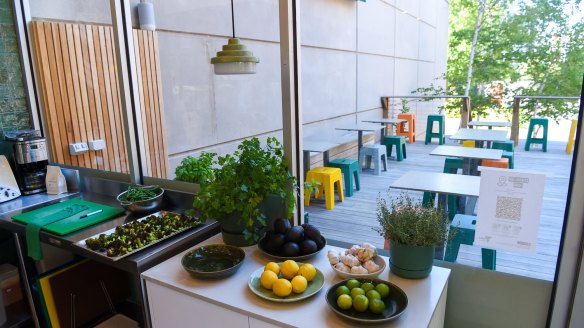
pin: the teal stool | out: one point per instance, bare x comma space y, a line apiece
532, 140
463, 228
508, 150
400, 146
429, 128
452, 165
306, 217
349, 167
429, 198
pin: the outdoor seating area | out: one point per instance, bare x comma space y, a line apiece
423, 174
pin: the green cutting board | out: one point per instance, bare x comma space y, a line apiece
74, 222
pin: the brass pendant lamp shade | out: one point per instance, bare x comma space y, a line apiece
234, 58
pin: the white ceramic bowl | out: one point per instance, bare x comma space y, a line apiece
371, 275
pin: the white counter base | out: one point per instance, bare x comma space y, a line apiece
177, 300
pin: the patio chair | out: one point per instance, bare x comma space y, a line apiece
349, 168
533, 122
328, 177
463, 228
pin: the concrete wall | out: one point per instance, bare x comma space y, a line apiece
352, 54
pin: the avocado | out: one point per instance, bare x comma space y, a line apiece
308, 246
281, 225
274, 242
295, 234
311, 232
290, 249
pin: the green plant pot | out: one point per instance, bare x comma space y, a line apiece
232, 225
412, 262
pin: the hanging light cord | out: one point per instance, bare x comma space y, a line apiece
233, 19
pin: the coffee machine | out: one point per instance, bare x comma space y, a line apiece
27, 151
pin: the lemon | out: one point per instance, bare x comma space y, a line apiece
272, 266
308, 271
282, 287
289, 269
267, 279
299, 284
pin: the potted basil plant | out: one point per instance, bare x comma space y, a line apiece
251, 188
413, 231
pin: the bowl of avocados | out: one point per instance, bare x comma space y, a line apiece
287, 242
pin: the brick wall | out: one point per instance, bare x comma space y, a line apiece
14, 112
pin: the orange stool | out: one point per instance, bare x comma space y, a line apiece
410, 133
328, 177
501, 163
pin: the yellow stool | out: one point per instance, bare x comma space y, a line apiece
468, 143
328, 177
571, 137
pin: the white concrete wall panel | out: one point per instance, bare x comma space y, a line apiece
429, 11
411, 6
374, 80
250, 104
427, 43
328, 83
407, 34
376, 28
405, 79
441, 60
257, 19
204, 17
328, 23
88, 11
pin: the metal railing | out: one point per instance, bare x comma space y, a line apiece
464, 115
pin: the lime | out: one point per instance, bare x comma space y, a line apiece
357, 291
343, 290
299, 284
376, 306
367, 286
383, 290
373, 294
352, 283
345, 302
360, 303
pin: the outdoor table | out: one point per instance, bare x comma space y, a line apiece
443, 184
392, 121
489, 124
471, 157
360, 128
480, 136
319, 147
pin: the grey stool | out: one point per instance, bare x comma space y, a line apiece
376, 153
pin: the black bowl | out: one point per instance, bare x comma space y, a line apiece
213, 261
262, 247
395, 304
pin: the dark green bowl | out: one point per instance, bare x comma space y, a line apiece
213, 261
395, 304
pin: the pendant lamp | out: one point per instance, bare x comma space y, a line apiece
234, 58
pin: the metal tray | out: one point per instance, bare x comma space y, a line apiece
83, 245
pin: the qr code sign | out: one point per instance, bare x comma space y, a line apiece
508, 208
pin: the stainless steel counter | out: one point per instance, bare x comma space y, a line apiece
104, 192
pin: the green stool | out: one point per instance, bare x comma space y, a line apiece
429, 198
508, 150
463, 227
452, 165
400, 146
349, 167
532, 140
429, 128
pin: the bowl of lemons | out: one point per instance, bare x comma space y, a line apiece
287, 281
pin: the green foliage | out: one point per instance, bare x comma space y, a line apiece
197, 170
410, 223
405, 108
243, 180
532, 47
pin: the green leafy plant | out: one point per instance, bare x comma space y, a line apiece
408, 222
405, 108
243, 180
196, 169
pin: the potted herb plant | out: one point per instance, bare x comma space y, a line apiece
251, 188
413, 231
196, 169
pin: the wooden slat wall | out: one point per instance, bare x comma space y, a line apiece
81, 102
152, 110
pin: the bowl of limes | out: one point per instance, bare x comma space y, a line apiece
367, 301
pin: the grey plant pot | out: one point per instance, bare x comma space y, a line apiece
412, 262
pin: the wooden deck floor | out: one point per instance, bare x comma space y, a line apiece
353, 220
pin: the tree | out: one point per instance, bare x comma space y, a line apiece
531, 47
